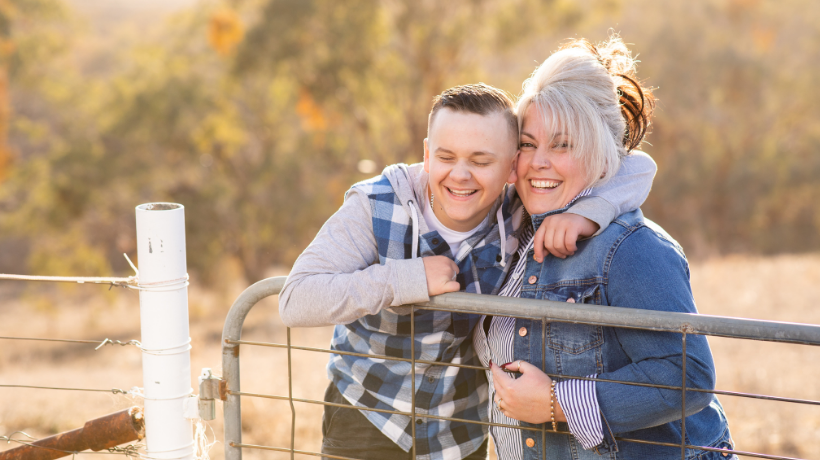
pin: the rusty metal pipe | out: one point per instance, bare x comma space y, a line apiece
98, 434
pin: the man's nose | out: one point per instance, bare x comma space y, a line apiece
460, 172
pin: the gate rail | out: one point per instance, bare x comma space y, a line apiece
543, 310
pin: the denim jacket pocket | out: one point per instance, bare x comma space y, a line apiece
573, 338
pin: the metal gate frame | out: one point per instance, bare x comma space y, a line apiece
543, 310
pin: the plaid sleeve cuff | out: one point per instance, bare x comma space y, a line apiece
580, 405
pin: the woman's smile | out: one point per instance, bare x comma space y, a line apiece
544, 184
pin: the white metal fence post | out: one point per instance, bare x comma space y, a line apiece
166, 357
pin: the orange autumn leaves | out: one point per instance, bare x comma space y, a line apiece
225, 31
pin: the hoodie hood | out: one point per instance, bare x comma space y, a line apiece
409, 182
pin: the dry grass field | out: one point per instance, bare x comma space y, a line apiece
782, 288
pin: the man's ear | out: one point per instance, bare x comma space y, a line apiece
514, 171
426, 157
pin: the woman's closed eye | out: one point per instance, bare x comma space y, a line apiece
528, 145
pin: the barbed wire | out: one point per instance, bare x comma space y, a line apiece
131, 450
36, 387
130, 282
113, 281
100, 343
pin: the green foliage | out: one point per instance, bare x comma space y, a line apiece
259, 138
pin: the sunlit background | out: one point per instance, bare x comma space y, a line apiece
257, 115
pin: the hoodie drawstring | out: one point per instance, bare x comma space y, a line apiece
502, 232
415, 221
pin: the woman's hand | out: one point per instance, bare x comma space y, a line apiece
526, 398
558, 234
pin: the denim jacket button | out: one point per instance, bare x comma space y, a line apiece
533, 279
530, 442
522, 332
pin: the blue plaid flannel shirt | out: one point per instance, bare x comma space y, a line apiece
440, 336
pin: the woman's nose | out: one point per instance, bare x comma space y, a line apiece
541, 160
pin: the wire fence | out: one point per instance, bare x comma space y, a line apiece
131, 450
543, 311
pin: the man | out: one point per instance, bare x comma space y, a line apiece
411, 233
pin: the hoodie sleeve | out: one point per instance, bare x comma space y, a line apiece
338, 278
623, 193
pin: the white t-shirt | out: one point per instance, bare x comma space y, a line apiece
452, 237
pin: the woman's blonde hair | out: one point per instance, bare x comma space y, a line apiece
591, 93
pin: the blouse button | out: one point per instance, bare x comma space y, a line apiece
533, 279
530, 442
522, 332
516, 275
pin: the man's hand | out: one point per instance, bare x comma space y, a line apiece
558, 234
441, 274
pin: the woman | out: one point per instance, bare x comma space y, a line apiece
581, 112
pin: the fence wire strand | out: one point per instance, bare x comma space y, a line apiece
100, 343
112, 390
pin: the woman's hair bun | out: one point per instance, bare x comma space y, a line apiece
637, 102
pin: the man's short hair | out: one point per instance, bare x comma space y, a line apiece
479, 98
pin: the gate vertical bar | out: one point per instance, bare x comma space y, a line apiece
290, 397
683, 401
544, 368
413, 378
165, 338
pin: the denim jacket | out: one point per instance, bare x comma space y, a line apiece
633, 263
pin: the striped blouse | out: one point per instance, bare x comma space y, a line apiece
577, 397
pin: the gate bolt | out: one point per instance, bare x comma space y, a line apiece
209, 391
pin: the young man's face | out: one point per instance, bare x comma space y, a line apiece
469, 158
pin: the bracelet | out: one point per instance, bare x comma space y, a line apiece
552, 406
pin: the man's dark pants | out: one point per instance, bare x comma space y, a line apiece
348, 433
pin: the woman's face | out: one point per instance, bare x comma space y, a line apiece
548, 174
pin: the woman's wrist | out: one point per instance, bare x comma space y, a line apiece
552, 406
557, 409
